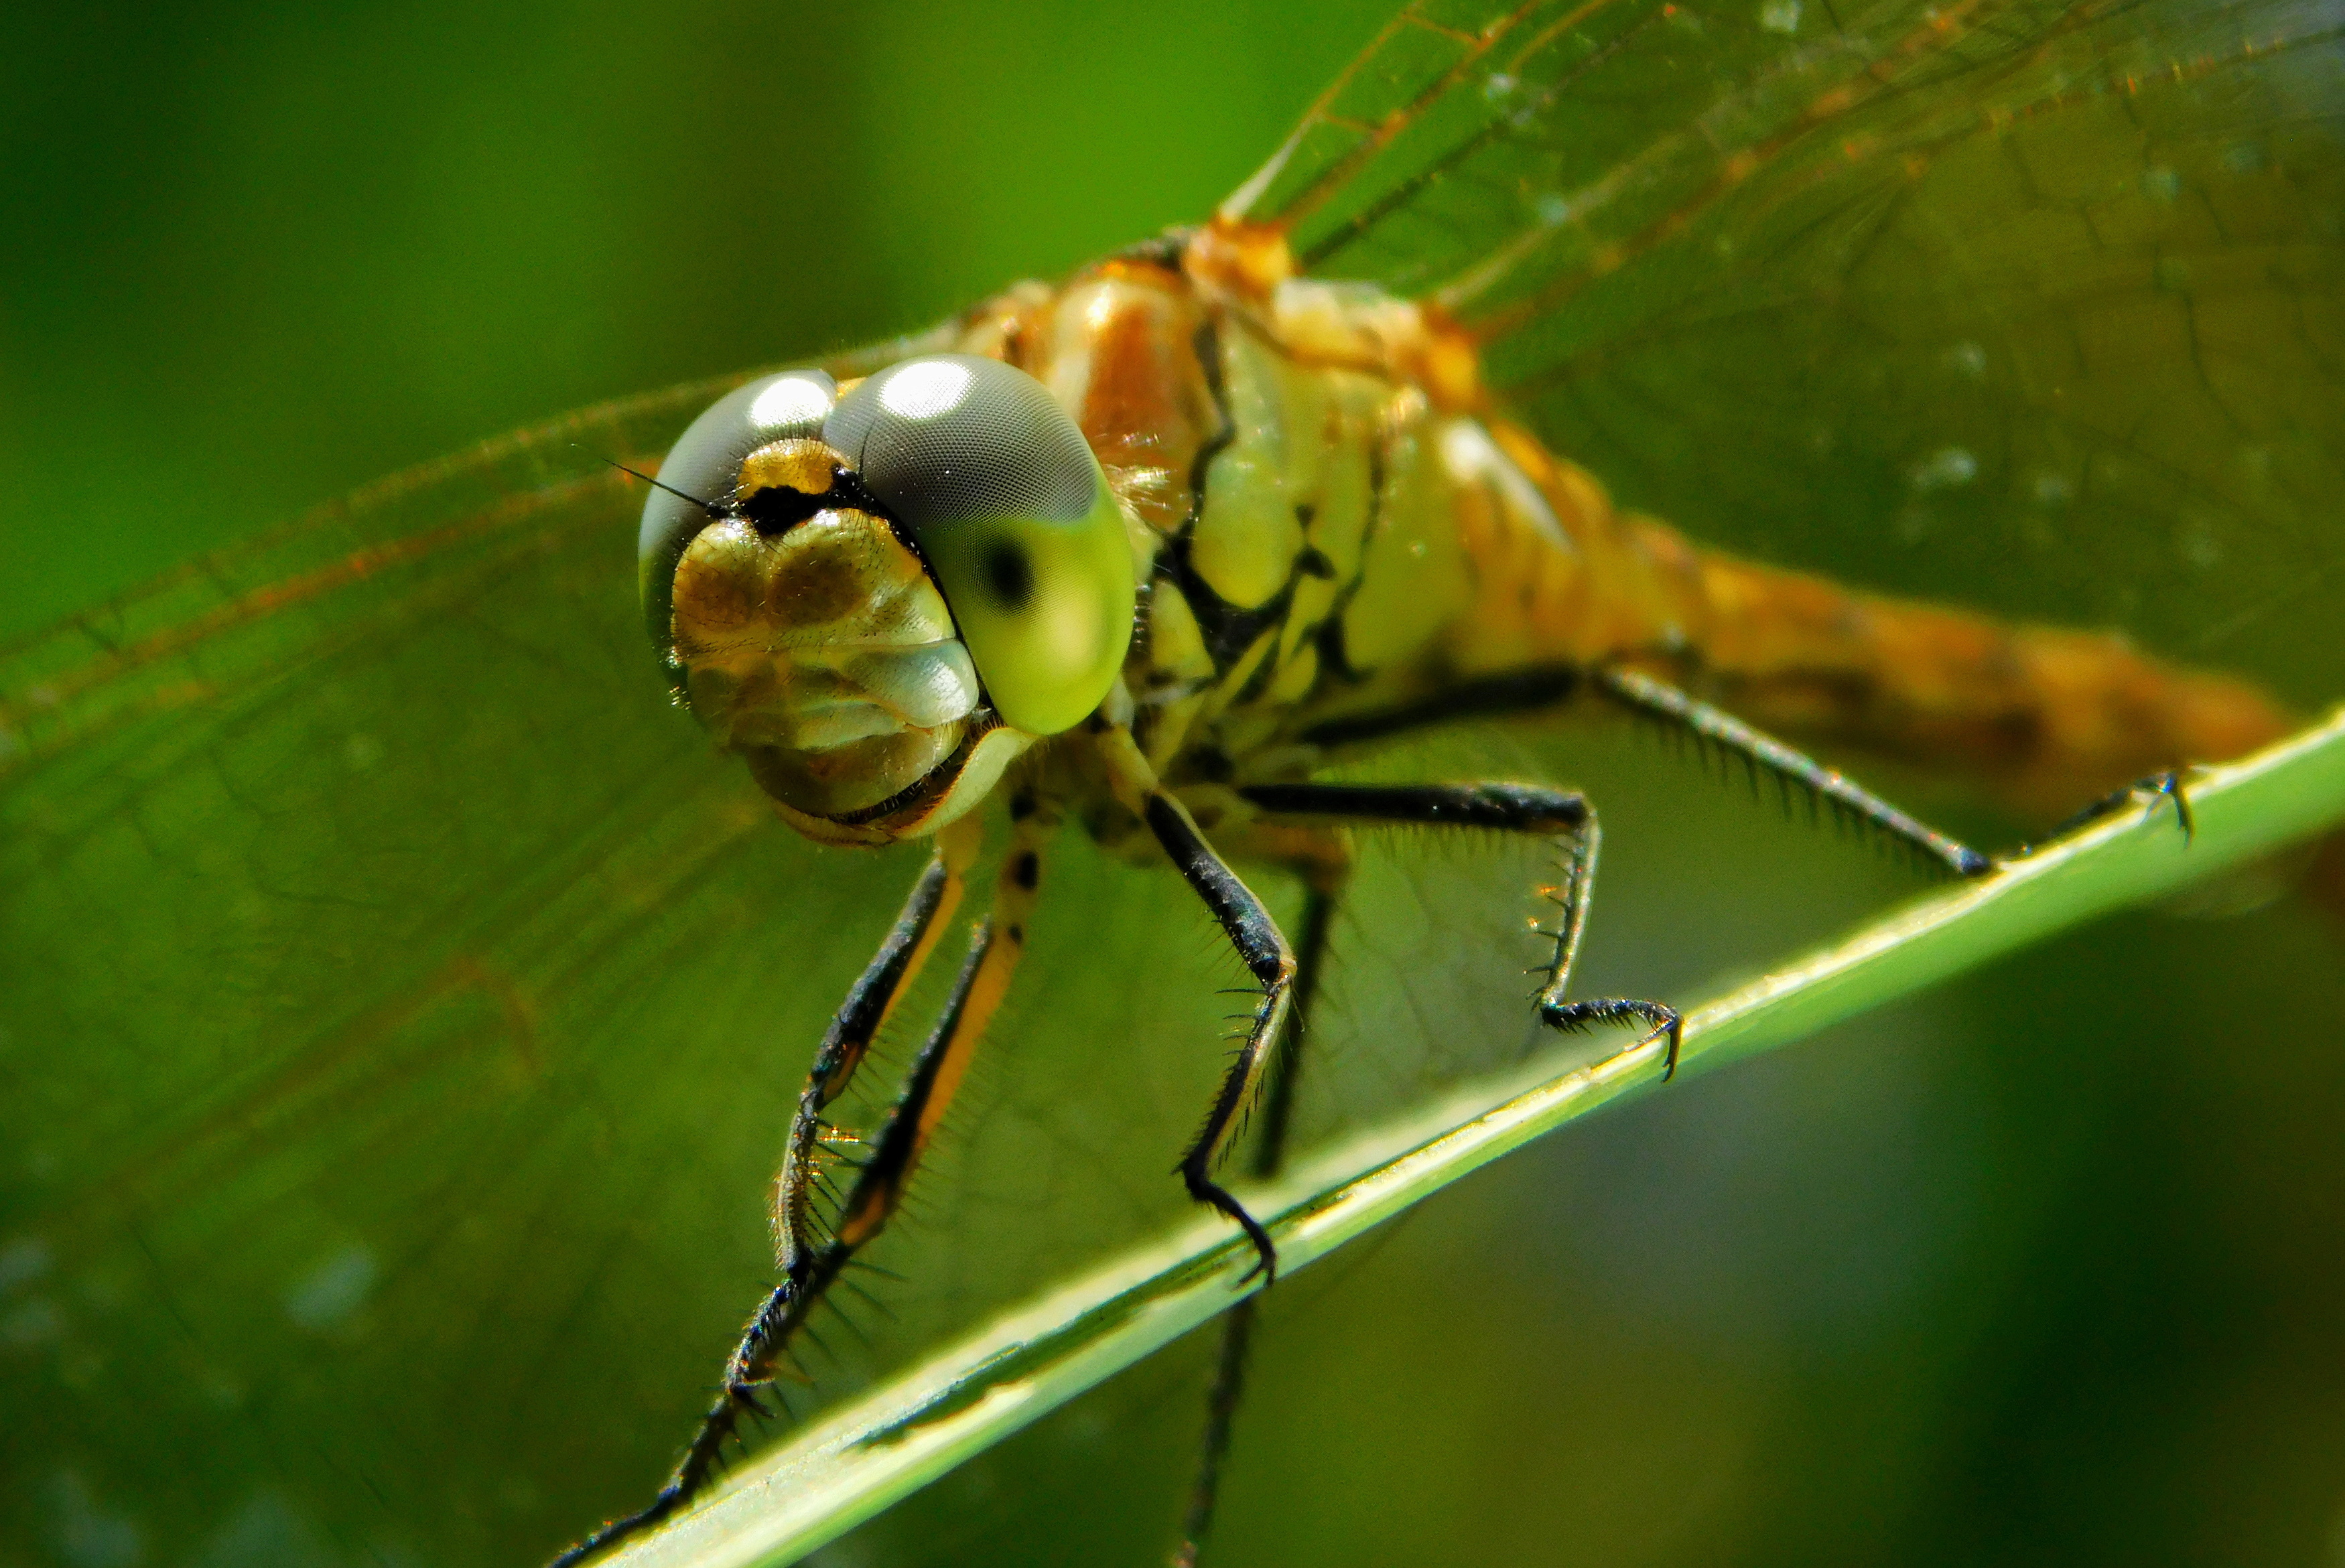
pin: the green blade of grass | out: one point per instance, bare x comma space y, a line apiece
857, 1460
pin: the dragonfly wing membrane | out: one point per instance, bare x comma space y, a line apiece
2026, 305
370, 931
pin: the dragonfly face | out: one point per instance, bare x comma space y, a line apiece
371, 1167
805, 616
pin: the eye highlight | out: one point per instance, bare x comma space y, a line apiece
705, 465
997, 487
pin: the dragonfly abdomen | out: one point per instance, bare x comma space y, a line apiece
2041, 718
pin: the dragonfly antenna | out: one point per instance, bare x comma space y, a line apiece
709, 507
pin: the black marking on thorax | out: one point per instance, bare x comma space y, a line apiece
1334, 659
1228, 630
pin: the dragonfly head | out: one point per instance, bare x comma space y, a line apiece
880, 596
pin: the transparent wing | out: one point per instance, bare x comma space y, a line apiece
376, 950
2038, 306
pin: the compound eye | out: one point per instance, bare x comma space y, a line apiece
998, 488
705, 464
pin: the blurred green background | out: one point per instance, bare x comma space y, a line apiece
2044, 1268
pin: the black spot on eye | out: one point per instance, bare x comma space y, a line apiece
1026, 870
1010, 575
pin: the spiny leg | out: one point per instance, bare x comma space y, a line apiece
1715, 726
1558, 814
810, 1264
938, 1071
1260, 947
1228, 1386
1764, 753
892, 970
1547, 687
1263, 950
930, 1086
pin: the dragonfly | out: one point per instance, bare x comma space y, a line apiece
1455, 164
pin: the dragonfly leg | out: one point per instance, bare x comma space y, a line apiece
1228, 1386
891, 973
1542, 688
1263, 950
811, 1260
2158, 787
1260, 947
995, 948
1761, 752
1562, 816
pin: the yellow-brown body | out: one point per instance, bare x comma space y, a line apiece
1342, 523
